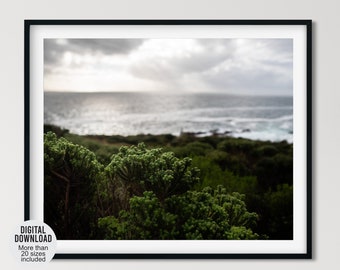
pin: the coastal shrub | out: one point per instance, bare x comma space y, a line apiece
265, 150
206, 214
71, 175
247, 185
284, 168
116, 139
210, 173
213, 214
275, 170
104, 153
114, 172
236, 145
146, 219
280, 201
212, 140
219, 157
137, 169
193, 149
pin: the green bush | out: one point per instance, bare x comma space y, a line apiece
101, 182
146, 219
138, 169
266, 150
211, 214
206, 214
71, 175
272, 171
236, 145
193, 149
280, 201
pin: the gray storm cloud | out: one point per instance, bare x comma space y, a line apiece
224, 65
245, 66
258, 81
54, 49
211, 53
265, 68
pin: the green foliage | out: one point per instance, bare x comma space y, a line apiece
71, 173
211, 213
218, 157
241, 233
102, 150
146, 219
266, 150
193, 149
114, 184
280, 201
208, 214
272, 171
139, 169
212, 175
236, 145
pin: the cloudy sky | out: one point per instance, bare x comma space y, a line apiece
238, 66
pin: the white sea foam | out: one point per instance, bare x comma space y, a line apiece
263, 118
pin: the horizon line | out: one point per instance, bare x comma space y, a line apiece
166, 93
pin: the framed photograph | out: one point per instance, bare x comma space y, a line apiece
170, 139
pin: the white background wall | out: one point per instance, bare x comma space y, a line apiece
326, 112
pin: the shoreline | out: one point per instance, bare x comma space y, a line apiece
195, 136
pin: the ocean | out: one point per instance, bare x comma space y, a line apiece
125, 113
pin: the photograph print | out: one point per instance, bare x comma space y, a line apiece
168, 138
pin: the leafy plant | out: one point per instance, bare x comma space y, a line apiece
206, 214
138, 169
112, 187
71, 175
146, 219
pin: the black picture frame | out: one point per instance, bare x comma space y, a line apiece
307, 24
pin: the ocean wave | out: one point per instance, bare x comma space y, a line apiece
86, 114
